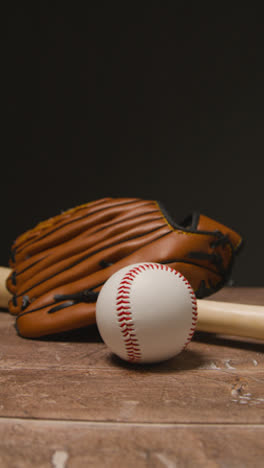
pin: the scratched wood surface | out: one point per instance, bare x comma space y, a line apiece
68, 402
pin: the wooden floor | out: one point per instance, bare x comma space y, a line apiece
67, 402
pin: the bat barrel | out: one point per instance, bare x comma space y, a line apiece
231, 319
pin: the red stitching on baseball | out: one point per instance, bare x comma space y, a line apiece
125, 318
122, 301
126, 282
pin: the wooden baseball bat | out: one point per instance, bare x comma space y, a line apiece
226, 318
5, 295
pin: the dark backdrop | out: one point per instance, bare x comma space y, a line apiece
158, 101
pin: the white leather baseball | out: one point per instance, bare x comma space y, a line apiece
146, 312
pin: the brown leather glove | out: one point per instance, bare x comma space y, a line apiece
60, 266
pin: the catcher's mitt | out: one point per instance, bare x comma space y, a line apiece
61, 264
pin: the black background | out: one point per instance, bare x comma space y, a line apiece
150, 100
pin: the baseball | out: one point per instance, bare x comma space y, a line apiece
146, 313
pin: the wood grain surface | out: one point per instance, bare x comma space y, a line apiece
66, 401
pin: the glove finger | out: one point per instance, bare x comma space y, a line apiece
41, 322
46, 225
83, 267
67, 226
86, 244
